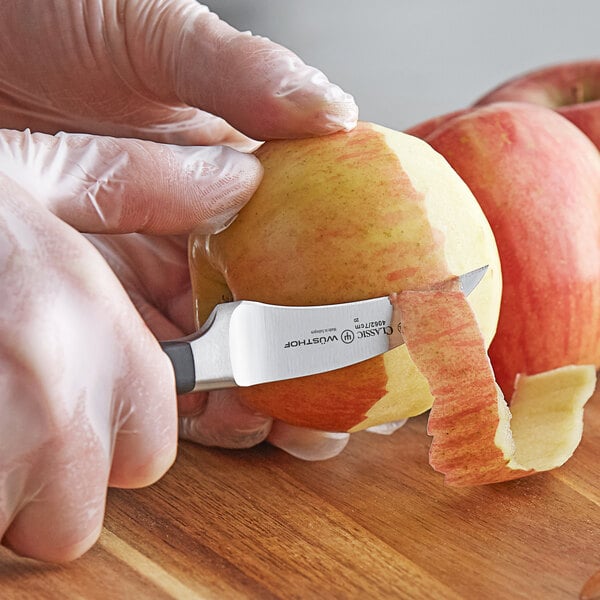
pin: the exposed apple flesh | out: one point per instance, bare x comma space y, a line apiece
572, 89
537, 178
340, 218
476, 439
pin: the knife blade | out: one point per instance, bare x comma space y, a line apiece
245, 343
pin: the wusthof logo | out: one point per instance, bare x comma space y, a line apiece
347, 337
324, 339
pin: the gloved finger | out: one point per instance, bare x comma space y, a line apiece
13, 493
156, 277
164, 327
52, 493
307, 444
154, 271
110, 185
187, 126
161, 323
225, 422
188, 405
81, 355
182, 51
17, 449
60, 518
144, 417
145, 421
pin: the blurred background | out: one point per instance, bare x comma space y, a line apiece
406, 61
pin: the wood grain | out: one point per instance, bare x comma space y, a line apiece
376, 522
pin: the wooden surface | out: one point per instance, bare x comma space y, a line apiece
375, 522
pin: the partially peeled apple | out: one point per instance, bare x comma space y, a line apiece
369, 213
347, 217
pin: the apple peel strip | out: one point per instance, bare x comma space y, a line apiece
477, 438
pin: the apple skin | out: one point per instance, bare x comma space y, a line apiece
476, 438
346, 217
537, 179
424, 128
572, 89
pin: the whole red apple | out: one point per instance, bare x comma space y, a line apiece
572, 89
537, 179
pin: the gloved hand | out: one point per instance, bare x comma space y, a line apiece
86, 395
165, 70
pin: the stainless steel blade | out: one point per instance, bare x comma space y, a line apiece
469, 281
270, 343
245, 343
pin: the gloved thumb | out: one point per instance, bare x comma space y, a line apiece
112, 185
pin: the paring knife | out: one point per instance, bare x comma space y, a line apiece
244, 343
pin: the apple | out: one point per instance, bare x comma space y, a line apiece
375, 212
572, 89
346, 217
424, 128
537, 179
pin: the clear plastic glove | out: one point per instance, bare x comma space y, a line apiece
88, 396
165, 70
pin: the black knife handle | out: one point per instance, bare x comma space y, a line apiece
182, 358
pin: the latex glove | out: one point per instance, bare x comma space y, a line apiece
68, 409
166, 70
87, 397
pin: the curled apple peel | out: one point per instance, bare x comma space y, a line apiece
477, 438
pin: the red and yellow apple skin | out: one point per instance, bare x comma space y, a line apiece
423, 129
477, 438
537, 178
572, 89
340, 218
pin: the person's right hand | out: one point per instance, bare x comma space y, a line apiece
87, 395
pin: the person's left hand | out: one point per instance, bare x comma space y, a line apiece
166, 71
162, 70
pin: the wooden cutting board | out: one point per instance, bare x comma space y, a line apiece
376, 522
